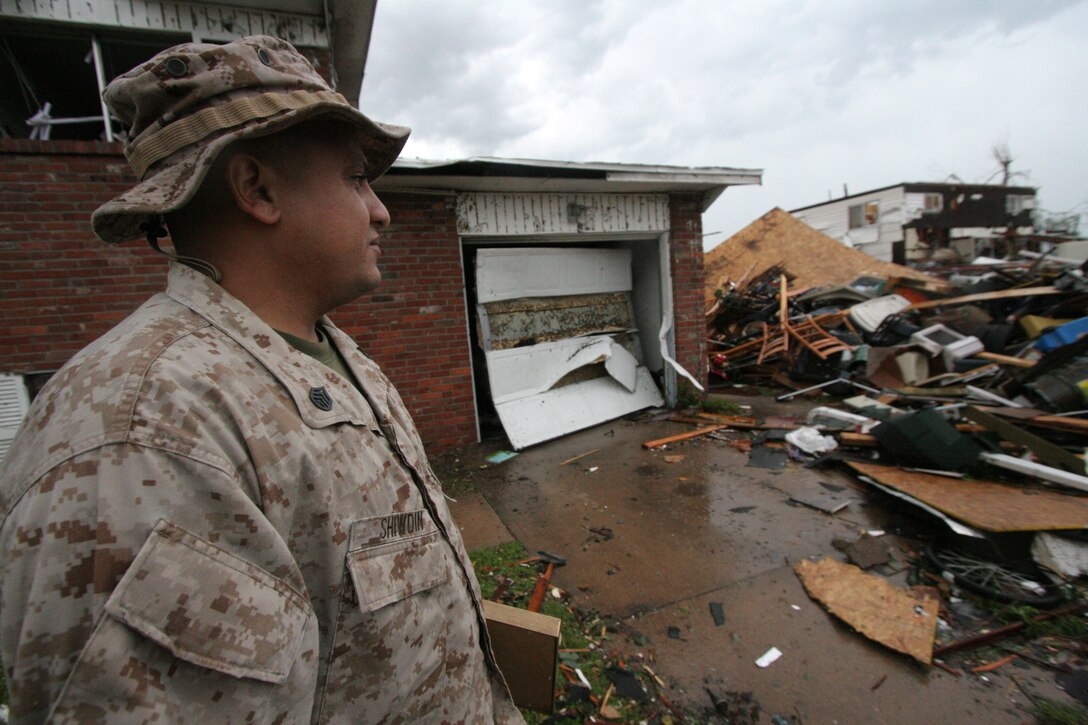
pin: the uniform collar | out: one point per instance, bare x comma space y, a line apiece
322, 397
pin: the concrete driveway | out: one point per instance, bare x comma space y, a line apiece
656, 540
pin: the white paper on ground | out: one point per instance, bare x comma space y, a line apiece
1060, 554
769, 657
810, 440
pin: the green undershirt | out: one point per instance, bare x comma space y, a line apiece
323, 351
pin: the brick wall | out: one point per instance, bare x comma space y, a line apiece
414, 325
60, 288
686, 261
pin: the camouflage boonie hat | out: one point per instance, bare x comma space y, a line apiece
189, 102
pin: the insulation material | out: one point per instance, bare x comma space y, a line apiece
547, 377
900, 619
985, 504
531, 320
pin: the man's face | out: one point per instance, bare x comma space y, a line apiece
335, 218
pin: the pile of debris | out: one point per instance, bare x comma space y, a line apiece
995, 332
969, 387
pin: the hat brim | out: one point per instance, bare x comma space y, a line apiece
119, 219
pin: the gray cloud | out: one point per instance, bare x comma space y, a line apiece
817, 93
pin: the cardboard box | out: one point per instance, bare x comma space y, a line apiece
526, 645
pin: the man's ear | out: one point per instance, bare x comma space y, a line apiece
253, 186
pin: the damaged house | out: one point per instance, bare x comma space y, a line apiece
909, 221
547, 296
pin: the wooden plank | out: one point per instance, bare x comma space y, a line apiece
986, 505
683, 436
986, 296
1029, 416
1044, 450
857, 440
572, 459
1005, 359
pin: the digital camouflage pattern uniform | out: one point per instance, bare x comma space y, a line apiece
203, 525
192, 537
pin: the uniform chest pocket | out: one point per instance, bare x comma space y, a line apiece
394, 557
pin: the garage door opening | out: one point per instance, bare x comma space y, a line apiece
564, 335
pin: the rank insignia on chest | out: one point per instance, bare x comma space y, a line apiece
321, 398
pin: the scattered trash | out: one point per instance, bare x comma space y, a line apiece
673, 458
717, 611
626, 684
1075, 683
905, 621
501, 456
866, 552
767, 457
580, 456
810, 440
769, 657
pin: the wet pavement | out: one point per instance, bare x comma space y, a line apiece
656, 542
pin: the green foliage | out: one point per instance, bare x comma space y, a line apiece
1049, 712
721, 407
457, 477
501, 565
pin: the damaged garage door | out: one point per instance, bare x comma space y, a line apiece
560, 345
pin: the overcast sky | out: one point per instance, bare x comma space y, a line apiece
816, 94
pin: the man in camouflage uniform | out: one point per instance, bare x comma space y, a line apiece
221, 511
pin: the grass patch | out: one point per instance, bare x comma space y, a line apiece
1049, 712
721, 407
456, 476
590, 642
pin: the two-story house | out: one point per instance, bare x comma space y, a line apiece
908, 221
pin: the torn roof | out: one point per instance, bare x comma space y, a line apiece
809, 257
487, 173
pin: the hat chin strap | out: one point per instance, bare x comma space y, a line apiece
155, 231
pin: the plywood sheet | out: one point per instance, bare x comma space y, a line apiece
505, 274
901, 619
810, 258
986, 505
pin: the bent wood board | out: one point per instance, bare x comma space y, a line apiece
986, 505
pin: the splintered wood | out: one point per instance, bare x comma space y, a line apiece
986, 504
903, 620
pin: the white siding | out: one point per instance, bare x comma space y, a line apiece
206, 21
833, 219
492, 214
14, 402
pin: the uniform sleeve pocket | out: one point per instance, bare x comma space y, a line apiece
394, 557
210, 607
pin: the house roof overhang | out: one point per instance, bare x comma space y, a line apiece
349, 24
493, 174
